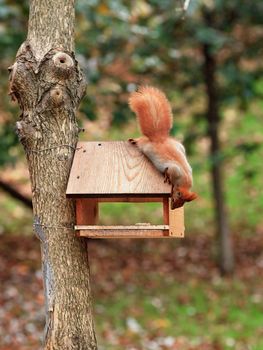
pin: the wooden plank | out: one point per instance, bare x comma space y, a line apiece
176, 222
118, 235
130, 199
140, 227
147, 231
86, 211
166, 211
102, 169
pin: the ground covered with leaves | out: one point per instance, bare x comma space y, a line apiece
148, 295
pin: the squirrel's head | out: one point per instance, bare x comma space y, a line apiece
180, 196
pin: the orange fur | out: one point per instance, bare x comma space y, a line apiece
166, 153
153, 111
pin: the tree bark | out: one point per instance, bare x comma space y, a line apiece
225, 249
48, 85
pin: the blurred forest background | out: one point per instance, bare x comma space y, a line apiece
204, 292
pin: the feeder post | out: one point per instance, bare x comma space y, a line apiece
87, 211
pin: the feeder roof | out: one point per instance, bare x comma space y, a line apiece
113, 169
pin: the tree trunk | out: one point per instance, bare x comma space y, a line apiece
48, 85
226, 259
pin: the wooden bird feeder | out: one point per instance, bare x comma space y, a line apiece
118, 172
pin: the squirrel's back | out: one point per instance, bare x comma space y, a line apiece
153, 111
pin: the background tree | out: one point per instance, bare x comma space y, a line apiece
48, 85
220, 51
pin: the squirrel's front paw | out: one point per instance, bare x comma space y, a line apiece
132, 141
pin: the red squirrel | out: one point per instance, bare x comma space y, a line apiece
167, 154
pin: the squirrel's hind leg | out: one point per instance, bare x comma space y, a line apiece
166, 176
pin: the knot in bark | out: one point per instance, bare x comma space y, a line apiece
64, 64
56, 96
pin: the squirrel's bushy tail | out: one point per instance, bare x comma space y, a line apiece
153, 111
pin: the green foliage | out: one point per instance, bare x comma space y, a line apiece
13, 15
130, 213
13, 18
8, 141
88, 107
